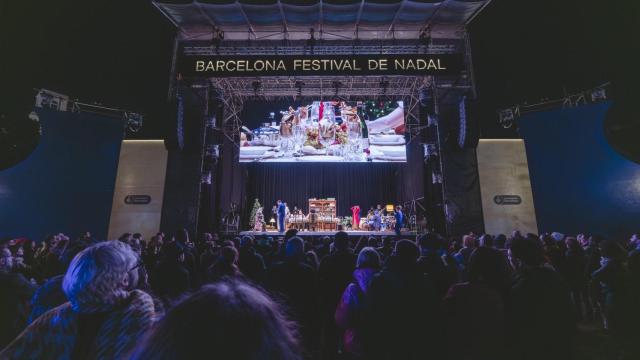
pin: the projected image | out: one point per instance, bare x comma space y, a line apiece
323, 131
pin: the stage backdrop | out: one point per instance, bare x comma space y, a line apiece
365, 184
66, 184
580, 184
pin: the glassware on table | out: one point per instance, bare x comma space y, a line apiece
354, 135
326, 132
299, 137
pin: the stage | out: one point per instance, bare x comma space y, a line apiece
330, 233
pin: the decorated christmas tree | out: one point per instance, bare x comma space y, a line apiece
254, 209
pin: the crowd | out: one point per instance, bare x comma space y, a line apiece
474, 297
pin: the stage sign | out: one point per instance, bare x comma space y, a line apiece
320, 65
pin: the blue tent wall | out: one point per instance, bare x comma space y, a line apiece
67, 183
580, 184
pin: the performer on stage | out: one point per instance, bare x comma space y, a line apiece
281, 213
355, 212
376, 221
399, 219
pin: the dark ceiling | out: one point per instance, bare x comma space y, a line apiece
117, 52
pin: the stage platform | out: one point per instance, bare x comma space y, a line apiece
329, 233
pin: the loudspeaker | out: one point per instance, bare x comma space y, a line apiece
467, 126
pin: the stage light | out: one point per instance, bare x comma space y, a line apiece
598, 94
507, 117
299, 85
336, 87
425, 36
257, 86
311, 42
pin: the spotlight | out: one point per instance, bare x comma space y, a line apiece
508, 116
299, 85
425, 36
598, 94
311, 42
336, 86
133, 121
384, 84
257, 86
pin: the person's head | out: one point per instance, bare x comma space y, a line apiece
398, 208
368, 258
279, 202
372, 241
294, 250
406, 250
182, 236
378, 206
487, 265
634, 240
312, 259
429, 241
6, 260
229, 320
229, 254
387, 242
486, 240
100, 276
341, 242
125, 238
246, 242
572, 244
290, 233
469, 241
525, 252
611, 249
137, 236
500, 241
207, 237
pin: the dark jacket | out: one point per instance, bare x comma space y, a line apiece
53, 335
15, 293
475, 322
350, 309
335, 273
541, 318
401, 318
252, 265
441, 268
295, 283
47, 297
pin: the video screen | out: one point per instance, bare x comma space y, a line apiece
323, 131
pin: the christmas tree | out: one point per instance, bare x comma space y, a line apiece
254, 210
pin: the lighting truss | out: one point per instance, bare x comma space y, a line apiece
432, 49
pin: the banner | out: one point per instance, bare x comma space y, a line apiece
320, 65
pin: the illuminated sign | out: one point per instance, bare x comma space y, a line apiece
323, 65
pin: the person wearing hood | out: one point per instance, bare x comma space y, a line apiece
105, 316
401, 317
348, 314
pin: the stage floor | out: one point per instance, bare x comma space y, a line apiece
329, 233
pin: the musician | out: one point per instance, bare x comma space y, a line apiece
355, 212
399, 219
281, 213
312, 219
376, 221
297, 211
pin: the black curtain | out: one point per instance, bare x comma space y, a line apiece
366, 184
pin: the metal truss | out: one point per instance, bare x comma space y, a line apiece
347, 49
237, 90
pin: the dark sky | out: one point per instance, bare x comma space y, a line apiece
117, 52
